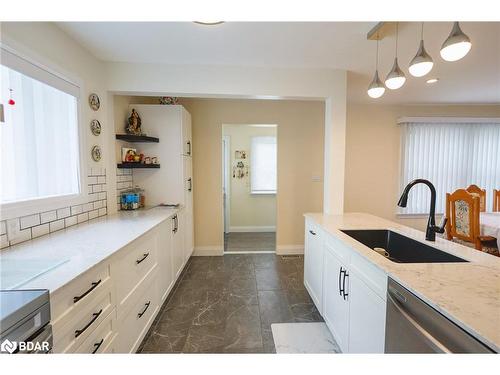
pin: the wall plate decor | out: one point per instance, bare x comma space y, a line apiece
169, 100
96, 153
95, 127
94, 102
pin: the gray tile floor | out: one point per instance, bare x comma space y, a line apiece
250, 241
227, 304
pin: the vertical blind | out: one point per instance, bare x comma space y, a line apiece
263, 165
39, 154
452, 155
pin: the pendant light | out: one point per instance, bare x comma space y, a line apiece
376, 88
457, 45
422, 63
396, 78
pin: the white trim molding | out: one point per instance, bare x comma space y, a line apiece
289, 249
455, 120
245, 229
201, 251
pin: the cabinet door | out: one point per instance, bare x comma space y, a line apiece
165, 260
188, 210
187, 143
313, 264
177, 247
335, 305
367, 318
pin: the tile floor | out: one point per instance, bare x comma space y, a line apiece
250, 241
227, 305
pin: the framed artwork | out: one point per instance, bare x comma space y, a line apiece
128, 154
240, 154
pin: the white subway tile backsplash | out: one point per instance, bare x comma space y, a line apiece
87, 207
29, 221
63, 212
83, 217
23, 235
75, 210
92, 180
96, 188
102, 211
102, 195
3, 227
69, 221
48, 216
39, 230
93, 214
97, 204
101, 179
4, 242
56, 225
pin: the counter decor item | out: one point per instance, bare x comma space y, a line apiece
134, 124
96, 153
95, 127
132, 199
94, 102
130, 155
169, 100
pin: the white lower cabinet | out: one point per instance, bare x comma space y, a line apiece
178, 245
313, 264
166, 277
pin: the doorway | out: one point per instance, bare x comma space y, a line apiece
249, 187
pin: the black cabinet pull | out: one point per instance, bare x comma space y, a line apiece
78, 332
346, 275
340, 281
312, 232
145, 309
174, 219
142, 259
97, 346
190, 184
94, 285
189, 147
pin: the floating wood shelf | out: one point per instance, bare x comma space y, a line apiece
137, 138
137, 165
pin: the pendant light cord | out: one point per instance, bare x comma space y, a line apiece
397, 24
376, 60
422, 32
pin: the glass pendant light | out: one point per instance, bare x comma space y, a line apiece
422, 63
396, 78
376, 88
457, 45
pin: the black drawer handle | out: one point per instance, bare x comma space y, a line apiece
78, 332
142, 259
190, 188
97, 346
94, 285
340, 281
189, 147
312, 232
145, 309
346, 275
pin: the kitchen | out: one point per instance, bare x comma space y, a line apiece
125, 241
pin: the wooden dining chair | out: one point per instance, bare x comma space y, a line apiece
462, 211
496, 200
474, 189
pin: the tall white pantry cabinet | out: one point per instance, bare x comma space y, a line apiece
173, 182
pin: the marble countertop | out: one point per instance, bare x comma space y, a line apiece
83, 246
466, 293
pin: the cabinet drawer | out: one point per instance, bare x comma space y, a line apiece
68, 300
133, 264
101, 339
373, 277
135, 321
341, 251
70, 333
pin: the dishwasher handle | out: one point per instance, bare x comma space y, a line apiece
431, 340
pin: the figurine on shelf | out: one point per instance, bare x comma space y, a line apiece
134, 124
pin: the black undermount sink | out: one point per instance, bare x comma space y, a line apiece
400, 249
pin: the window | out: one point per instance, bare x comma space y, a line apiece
452, 154
263, 165
39, 156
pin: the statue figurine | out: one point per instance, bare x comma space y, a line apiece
134, 124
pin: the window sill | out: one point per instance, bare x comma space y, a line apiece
262, 193
416, 216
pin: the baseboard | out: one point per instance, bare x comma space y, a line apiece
200, 251
253, 229
289, 249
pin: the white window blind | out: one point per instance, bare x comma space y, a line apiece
452, 155
39, 156
263, 165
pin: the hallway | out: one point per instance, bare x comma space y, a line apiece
249, 241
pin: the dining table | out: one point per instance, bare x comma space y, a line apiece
489, 223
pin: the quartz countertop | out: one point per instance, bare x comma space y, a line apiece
83, 246
466, 293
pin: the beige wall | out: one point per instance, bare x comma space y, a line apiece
248, 210
372, 154
300, 157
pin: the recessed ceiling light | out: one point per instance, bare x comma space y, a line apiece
208, 23
432, 80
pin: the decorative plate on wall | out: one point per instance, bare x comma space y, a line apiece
96, 153
95, 127
94, 102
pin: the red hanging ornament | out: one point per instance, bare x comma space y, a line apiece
11, 101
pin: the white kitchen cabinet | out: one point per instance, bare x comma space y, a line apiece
336, 298
366, 318
313, 264
187, 142
187, 212
177, 245
166, 275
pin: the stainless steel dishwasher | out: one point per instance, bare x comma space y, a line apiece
412, 326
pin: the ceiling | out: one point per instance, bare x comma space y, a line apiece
340, 45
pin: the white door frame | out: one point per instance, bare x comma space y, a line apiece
226, 181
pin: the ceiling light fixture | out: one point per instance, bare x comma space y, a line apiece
376, 88
432, 80
208, 23
422, 63
456, 46
396, 78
